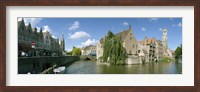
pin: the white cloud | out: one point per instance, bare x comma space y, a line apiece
46, 28
38, 29
89, 42
143, 29
153, 19
178, 25
54, 37
33, 21
78, 35
125, 23
74, 26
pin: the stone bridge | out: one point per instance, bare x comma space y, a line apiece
88, 57
39, 64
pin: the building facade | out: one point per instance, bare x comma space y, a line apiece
128, 40
33, 42
89, 50
159, 49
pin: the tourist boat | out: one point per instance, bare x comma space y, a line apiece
59, 70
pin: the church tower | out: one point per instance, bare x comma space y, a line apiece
164, 39
63, 43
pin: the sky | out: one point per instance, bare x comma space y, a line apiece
81, 32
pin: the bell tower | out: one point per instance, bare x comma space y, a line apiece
164, 38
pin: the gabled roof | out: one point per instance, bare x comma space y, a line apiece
123, 34
141, 42
150, 41
19, 23
88, 47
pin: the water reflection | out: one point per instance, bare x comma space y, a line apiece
91, 67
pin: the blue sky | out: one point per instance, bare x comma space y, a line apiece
80, 32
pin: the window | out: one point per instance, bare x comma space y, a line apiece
133, 46
138, 51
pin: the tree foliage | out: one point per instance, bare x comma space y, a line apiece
113, 50
76, 51
178, 51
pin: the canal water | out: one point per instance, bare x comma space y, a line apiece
92, 67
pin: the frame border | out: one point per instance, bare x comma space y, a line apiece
4, 3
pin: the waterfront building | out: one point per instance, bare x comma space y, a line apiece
142, 53
128, 40
44, 43
55, 47
169, 53
27, 36
149, 44
89, 50
24, 43
159, 49
99, 49
47, 43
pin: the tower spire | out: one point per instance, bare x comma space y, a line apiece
63, 42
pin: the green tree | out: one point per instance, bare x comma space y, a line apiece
68, 52
76, 51
114, 52
178, 51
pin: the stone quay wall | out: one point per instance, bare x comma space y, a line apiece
35, 65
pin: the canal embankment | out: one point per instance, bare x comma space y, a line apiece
35, 65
